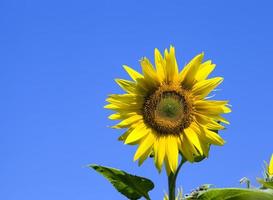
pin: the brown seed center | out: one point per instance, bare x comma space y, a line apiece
168, 110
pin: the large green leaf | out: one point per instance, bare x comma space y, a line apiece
133, 187
234, 194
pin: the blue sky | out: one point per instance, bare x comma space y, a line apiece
58, 61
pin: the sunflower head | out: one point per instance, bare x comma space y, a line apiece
166, 111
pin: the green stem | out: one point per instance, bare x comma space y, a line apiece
147, 198
171, 184
172, 180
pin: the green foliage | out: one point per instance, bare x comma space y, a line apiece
265, 184
133, 187
233, 194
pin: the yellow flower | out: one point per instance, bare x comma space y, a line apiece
167, 112
270, 167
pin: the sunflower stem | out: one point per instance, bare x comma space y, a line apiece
171, 184
172, 180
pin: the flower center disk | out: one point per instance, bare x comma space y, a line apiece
170, 107
167, 111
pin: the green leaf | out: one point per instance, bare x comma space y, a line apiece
265, 184
234, 194
133, 187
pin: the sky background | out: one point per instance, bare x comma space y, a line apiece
58, 61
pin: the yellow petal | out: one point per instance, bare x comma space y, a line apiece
194, 139
214, 126
150, 75
202, 88
127, 122
205, 146
187, 75
160, 65
213, 138
132, 73
159, 149
127, 86
124, 107
185, 149
125, 135
172, 152
171, 65
124, 98
207, 119
226, 109
221, 119
212, 106
138, 133
270, 166
115, 116
205, 103
205, 69
145, 144
144, 156
119, 116
124, 102
212, 110
202, 137
111, 106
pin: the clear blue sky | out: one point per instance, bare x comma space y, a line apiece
58, 60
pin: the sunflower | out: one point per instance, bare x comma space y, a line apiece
166, 112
